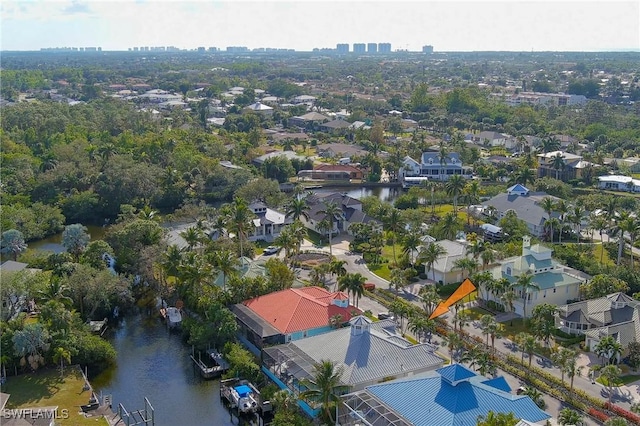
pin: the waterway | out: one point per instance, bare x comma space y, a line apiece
154, 363
54, 242
387, 194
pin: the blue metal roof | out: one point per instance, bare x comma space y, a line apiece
455, 372
432, 400
517, 188
498, 383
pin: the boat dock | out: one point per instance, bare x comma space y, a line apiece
243, 397
212, 366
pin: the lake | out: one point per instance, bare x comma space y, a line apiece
387, 194
154, 363
54, 242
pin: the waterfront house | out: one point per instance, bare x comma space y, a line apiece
434, 167
449, 396
332, 172
616, 315
351, 212
557, 284
368, 352
289, 315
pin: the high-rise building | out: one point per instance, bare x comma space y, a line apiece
427, 49
342, 47
372, 47
384, 47
359, 48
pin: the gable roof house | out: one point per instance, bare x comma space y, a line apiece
444, 269
432, 167
268, 222
259, 108
368, 352
332, 150
449, 396
311, 120
619, 183
335, 126
351, 212
495, 139
556, 283
332, 172
616, 315
288, 315
524, 203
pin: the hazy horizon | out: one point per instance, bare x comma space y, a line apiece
454, 26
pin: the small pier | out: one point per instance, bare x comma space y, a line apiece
213, 364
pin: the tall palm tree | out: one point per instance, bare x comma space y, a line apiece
430, 299
238, 218
557, 162
298, 233
467, 265
393, 223
192, 236
324, 387
443, 157
297, 208
332, 214
410, 243
61, 355
611, 374
529, 345
352, 283
598, 223
626, 224
449, 226
563, 209
525, 284
549, 206
577, 215
55, 289
507, 298
225, 262
454, 343
551, 224
550, 144
454, 187
429, 255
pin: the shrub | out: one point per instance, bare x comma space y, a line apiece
598, 415
632, 417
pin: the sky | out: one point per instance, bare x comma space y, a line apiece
454, 25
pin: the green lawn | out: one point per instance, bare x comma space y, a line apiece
623, 380
476, 313
510, 331
382, 270
46, 388
316, 238
598, 250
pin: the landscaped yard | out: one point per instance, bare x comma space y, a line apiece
623, 380
315, 238
46, 389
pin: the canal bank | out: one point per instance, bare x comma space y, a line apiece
154, 363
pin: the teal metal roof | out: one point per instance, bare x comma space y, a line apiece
454, 373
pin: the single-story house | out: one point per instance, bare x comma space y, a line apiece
444, 269
309, 120
332, 172
619, 183
259, 108
288, 315
449, 396
288, 154
335, 125
339, 150
368, 352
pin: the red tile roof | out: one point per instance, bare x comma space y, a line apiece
299, 309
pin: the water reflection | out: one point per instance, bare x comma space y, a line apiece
154, 363
383, 193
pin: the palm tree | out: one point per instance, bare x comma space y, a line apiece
337, 268
410, 243
454, 187
616, 421
192, 236
489, 327
524, 176
568, 416
598, 223
609, 348
419, 325
352, 283
394, 224
578, 213
238, 218
324, 387
625, 224
429, 256
332, 213
454, 342
529, 345
397, 280
225, 262
297, 208
549, 206
497, 419
449, 226
430, 298
610, 374
535, 395
61, 355
466, 265
471, 194
550, 144
298, 233
507, 298
55, 289
524, 284
557, 162
172, 260
443, 156
562, 208
571, 367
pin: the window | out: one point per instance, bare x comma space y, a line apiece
508, 271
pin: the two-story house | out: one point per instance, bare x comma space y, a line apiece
350, 213
554, 283
435, 167
616, 315
268, 222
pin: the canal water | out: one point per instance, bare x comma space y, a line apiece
54, 242
154, 363
383, 193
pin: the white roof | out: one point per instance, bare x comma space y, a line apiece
619, 179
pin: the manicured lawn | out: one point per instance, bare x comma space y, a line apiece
598, 250
316, 238
382, 270
46, 388
510, 331
624, 380
476, 313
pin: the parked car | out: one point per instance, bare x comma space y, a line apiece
271, 250
385, 315
369, 286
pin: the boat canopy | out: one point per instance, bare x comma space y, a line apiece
243, 390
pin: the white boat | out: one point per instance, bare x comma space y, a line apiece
244, 399
241, 395
172, 315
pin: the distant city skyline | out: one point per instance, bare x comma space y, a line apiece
471, 25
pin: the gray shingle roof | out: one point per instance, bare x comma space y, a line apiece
525, 206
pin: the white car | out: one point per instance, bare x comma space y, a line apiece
271, 250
